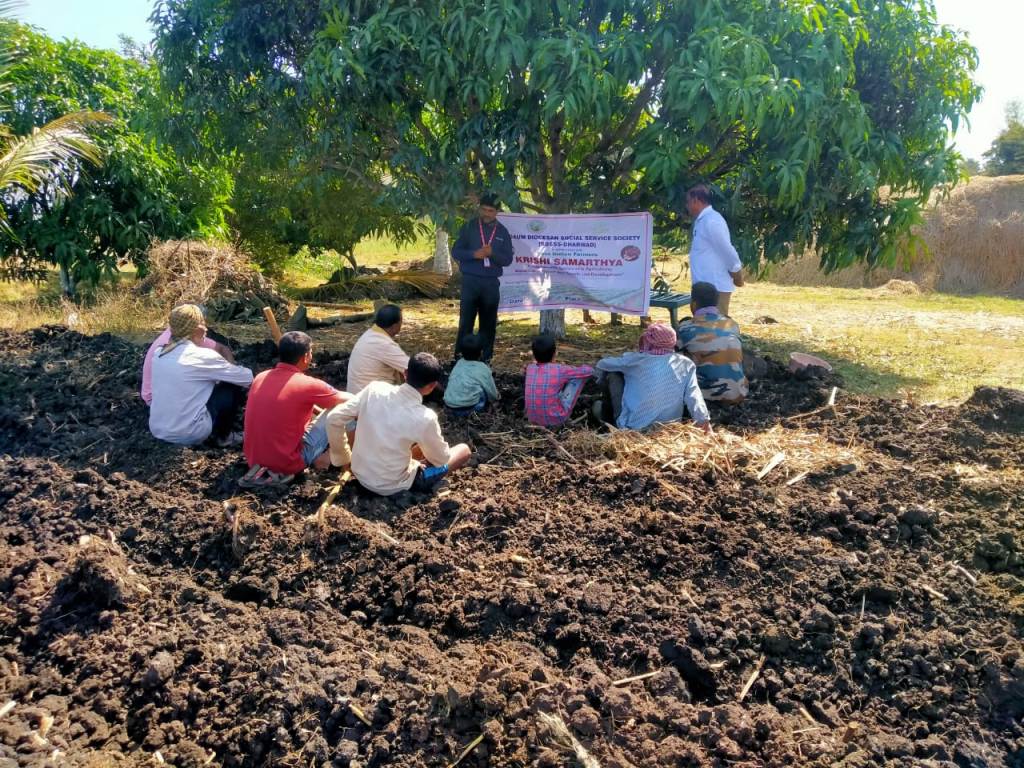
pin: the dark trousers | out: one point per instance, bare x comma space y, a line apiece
480, 296
224, 403
613, 384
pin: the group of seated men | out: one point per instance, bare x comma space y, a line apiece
293, 420
674, 372
379, 426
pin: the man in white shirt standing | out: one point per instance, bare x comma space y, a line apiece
376, 355
196, 392
400, 445
713, 259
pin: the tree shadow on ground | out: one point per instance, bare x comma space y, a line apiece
878, 380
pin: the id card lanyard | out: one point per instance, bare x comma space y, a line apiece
487, 262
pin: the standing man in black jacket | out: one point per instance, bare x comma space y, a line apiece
483, 247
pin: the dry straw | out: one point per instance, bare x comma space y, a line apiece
974, 242
785, 453
218, 276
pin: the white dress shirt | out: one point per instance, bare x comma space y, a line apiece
182, 382
392, 419
375, 357
712, 255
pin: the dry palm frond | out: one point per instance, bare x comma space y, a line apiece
430, 284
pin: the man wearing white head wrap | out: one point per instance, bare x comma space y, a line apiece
196, 392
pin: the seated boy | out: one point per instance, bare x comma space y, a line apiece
147, 364
712, 341
551, 388
280, 437
652, 385
396, 431
196, 392
471, 383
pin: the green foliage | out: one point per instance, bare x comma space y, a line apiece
277, 214
1006, 155
141, 192
245, 101
799, 113
39, 156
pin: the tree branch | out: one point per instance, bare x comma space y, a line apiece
556, 162
643, 98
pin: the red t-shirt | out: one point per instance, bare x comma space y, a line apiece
280, 404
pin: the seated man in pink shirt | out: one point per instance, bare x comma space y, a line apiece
147, 365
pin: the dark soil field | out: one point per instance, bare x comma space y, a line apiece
871, 614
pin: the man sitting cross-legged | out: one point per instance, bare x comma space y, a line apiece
281, 438
652, 385
196, 392
396, 432
712, 341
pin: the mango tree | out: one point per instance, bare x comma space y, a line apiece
798, 113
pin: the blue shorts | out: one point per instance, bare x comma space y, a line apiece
428, 477
477, 407
315, 441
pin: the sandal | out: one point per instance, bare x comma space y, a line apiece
260, 477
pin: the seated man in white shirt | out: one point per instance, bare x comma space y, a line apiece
400, 446
196, 392
376, 355
147, 365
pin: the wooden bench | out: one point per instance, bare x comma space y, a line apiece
672, 302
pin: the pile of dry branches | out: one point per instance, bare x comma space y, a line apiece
220, 277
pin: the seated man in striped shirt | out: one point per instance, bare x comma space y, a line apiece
712, 341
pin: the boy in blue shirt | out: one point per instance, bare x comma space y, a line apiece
471, 383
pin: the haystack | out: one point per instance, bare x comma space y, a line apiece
974, 239
219, 276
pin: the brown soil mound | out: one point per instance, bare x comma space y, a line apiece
763, 623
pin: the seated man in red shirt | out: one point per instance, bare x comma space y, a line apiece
281, 438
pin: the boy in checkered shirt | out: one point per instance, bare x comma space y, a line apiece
551, 388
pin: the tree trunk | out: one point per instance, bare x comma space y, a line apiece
442, 256
553, 321
67, 282
350, 257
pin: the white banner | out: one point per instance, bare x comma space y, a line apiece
581, 261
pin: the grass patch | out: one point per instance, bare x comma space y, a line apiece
112, 308
936, 347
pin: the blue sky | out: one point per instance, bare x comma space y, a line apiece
994, 27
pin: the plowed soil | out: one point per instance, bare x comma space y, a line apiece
151, 614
